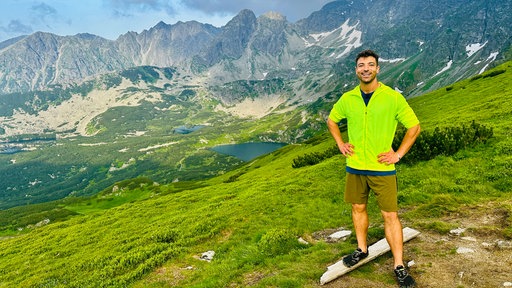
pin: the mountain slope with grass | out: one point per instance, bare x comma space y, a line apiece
155, 104
141, 234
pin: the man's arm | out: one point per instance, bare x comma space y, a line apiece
409, 139
345, 148
410, 136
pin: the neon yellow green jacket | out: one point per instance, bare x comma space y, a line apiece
371, 128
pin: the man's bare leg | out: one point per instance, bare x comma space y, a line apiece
360, 220
394, 236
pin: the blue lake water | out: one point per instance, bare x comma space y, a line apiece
187, 129
248, 151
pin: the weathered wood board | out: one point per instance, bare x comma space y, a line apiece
380, 247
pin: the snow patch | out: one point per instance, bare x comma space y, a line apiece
392, 60
473, 48
491, 59
352, 36
318, 37
448, 66
345, 36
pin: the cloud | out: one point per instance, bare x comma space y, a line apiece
44, 10
292, 9
127, 8
44, 15
39, 14
17, 27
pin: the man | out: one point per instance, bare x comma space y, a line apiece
373, 111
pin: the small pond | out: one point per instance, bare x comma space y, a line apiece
187, 129
248, 151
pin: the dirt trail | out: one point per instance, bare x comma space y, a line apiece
479, 257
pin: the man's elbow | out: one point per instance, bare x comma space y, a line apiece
416, 130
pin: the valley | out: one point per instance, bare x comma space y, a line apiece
131, 129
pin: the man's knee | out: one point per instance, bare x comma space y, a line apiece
389, 217
359, 208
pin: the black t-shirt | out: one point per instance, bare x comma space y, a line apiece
366, 97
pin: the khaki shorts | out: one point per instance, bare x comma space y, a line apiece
357, 190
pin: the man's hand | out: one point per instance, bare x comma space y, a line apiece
389, 158
347, 149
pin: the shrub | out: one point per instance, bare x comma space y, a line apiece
476, 77
315, 157
446, 141
494, 73
234, 177
489, 74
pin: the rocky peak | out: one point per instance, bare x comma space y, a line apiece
274, 16
232, 40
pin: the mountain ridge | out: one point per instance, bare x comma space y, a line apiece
439, 34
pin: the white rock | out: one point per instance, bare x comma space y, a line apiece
464, 250
507, 284
472, 239
487, 245
411, 263
208, 256
504, 244
457, 231
302, 241
339, 235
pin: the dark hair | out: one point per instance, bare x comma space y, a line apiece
368, 53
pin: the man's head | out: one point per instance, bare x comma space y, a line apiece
367, 66
368, 53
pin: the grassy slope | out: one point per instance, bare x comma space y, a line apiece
251, 221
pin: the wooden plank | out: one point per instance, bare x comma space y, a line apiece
380, 247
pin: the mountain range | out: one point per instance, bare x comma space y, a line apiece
463, 37
87, 111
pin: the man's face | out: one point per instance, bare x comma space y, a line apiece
367, 69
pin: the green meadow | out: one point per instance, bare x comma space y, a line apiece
141, 234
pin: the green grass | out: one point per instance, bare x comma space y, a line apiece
147, 236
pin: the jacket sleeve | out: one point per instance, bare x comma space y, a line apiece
405, 114
337, 112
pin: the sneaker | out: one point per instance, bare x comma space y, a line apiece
354, 258
404, 279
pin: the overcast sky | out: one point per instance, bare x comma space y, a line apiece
111, 18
